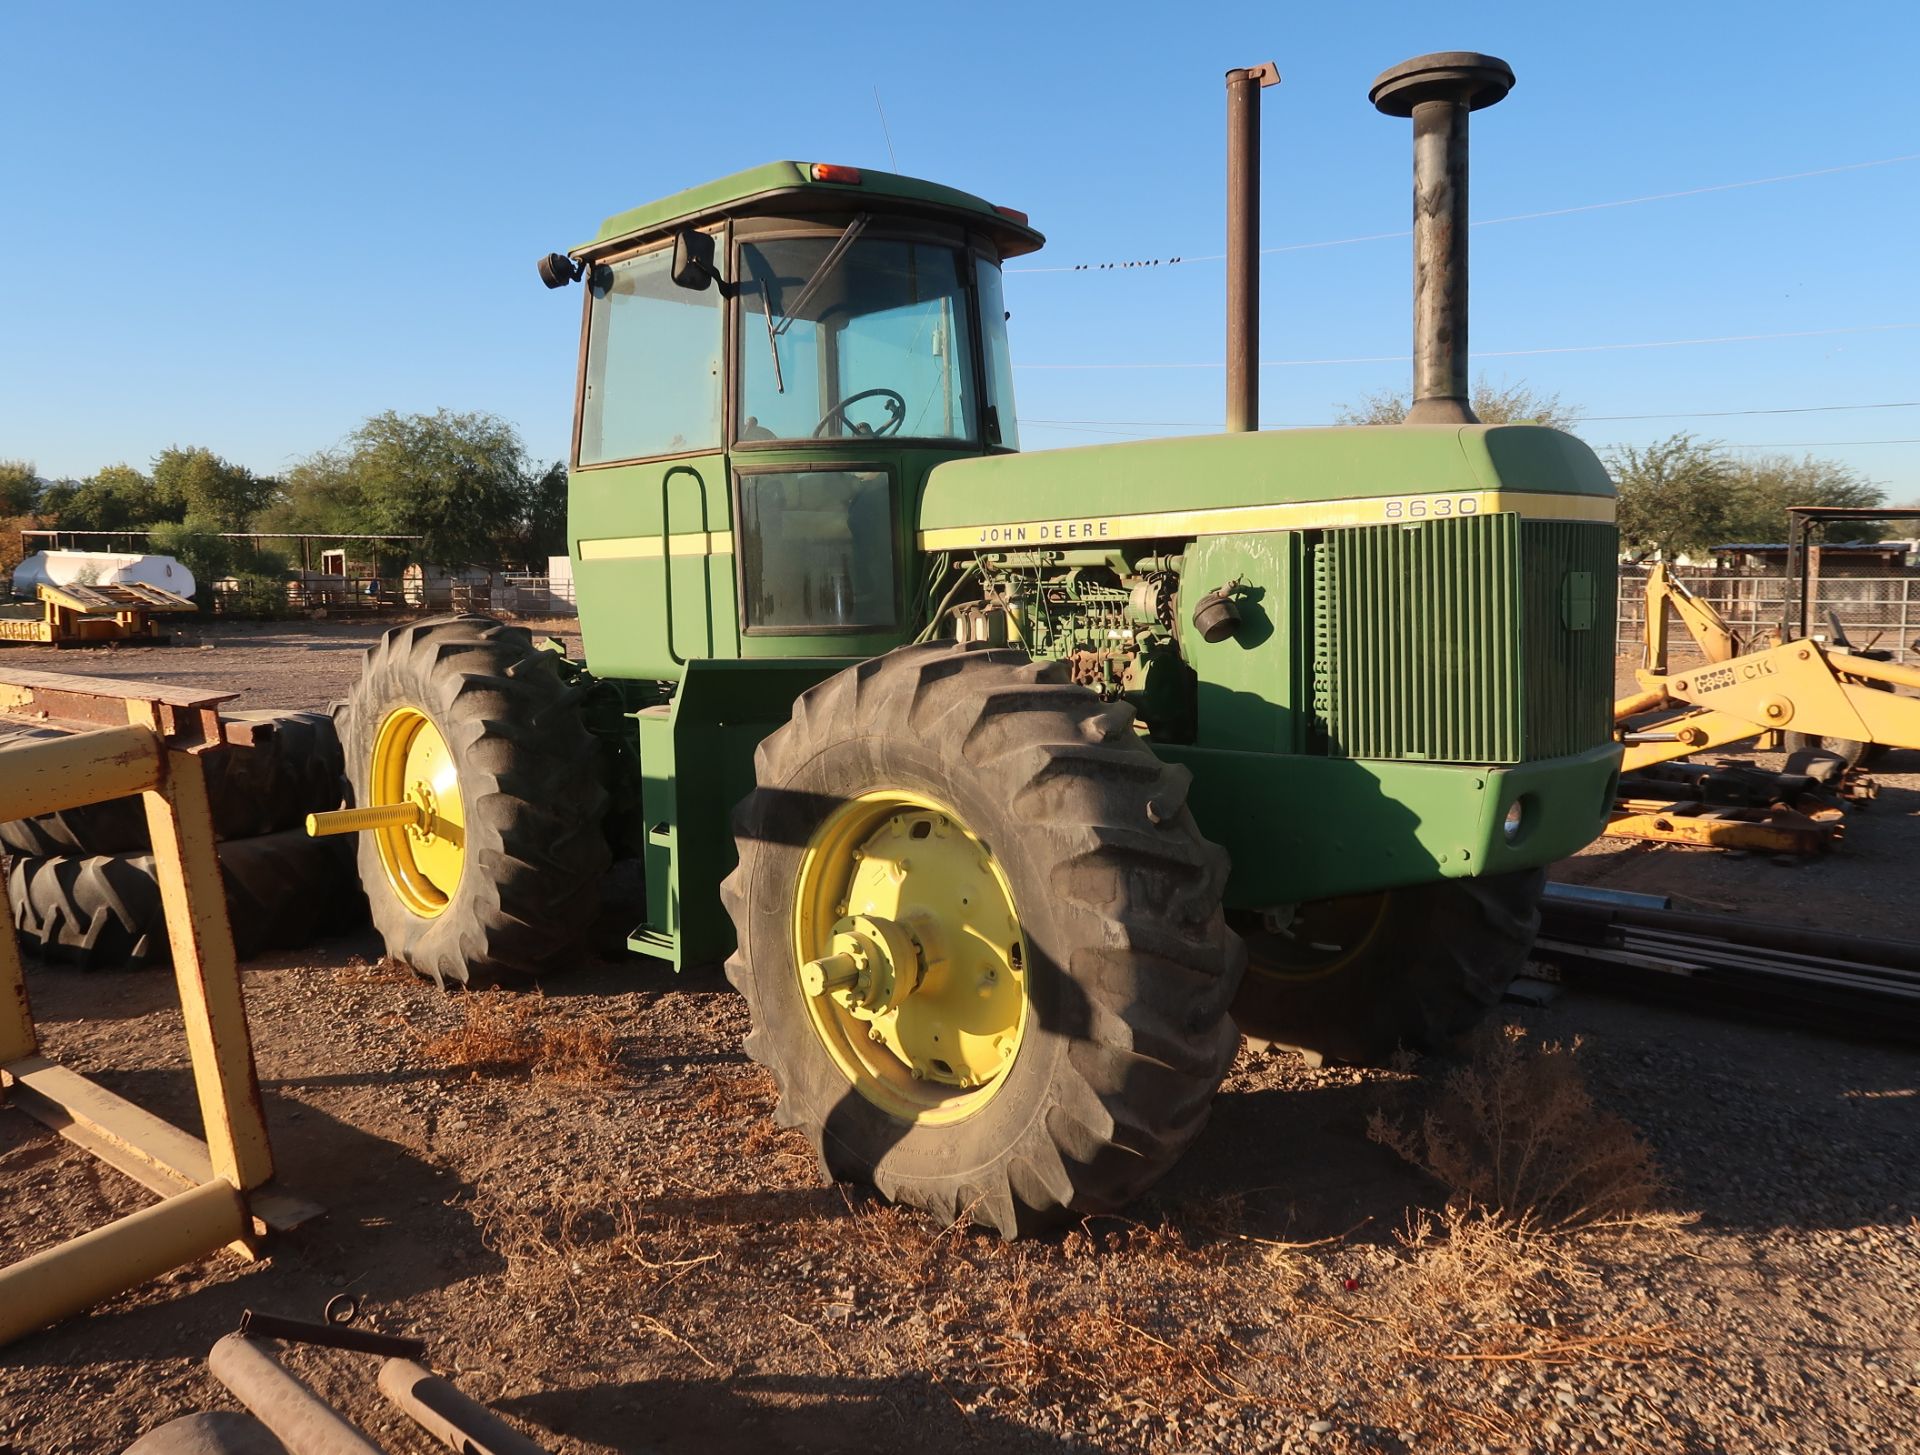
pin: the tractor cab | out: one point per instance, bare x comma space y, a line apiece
770, 366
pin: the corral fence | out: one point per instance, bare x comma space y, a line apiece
513, 593
1881, 610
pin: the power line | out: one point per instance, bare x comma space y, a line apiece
1806, 444
1341, 242
1077, 428
1672, 343
1583, 418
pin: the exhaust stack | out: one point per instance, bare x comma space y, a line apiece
1438, 91
1243, 243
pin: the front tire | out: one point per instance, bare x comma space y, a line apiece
1055, 854
1356, 979
467, 718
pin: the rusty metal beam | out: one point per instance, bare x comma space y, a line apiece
17, 1038
47, 773
187, 717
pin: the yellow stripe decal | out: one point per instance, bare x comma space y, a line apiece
642, 548
1249, 519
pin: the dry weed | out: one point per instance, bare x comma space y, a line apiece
499, 1032
1514, 1131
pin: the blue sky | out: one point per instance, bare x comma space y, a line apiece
250, 227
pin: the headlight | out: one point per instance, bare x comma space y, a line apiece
1515, 820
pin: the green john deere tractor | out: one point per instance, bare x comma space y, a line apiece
1033, 762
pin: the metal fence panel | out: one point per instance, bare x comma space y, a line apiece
1874, 611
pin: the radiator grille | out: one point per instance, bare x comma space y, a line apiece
1460, 641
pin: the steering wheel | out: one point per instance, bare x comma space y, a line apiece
896, 413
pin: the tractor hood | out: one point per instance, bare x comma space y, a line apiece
1303, 479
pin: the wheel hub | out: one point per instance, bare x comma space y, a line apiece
911, 955
412, 766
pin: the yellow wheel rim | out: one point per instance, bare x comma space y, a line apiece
1323, 937
910, 954
411, 765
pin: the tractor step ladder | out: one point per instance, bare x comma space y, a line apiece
147, 738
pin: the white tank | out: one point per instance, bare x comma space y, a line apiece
100, 568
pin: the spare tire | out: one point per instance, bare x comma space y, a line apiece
293, 769
100, 911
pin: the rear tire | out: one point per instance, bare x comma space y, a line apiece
526, 776
102, 911
1355, 980
1125, 960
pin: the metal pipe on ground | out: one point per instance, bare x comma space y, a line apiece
1243, 243
217, 1432
299, 1418
448, 1415
1437, 91
1564, 917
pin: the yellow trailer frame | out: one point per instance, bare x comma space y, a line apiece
1801, 685
80, 616
144, 738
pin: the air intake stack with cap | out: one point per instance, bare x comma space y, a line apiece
1438, 91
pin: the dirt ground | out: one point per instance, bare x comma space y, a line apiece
579, 1199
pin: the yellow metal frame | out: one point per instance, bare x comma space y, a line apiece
1760, 830
143, 738
75, 615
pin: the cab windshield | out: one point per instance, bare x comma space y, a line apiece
851, 338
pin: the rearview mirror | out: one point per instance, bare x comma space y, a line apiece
693, 259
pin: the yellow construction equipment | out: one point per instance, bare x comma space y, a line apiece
145, 738
1740, 692
91, 616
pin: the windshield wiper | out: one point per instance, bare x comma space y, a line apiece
801, 299
827, 265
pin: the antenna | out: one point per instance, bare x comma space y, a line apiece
885, 130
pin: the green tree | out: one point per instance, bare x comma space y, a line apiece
543, 531
1675, 495
208, 489
459, 481
19, 487
117, 498
319, 495
1684, 494
1507, 404
1766, 486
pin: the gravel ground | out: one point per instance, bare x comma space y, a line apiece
602, 1233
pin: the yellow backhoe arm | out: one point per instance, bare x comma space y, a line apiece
1797, 685
1708, 629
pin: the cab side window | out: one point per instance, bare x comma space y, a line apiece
653, 363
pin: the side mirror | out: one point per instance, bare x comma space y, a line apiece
557, 270
693, 259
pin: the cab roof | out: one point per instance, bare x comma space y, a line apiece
790, 186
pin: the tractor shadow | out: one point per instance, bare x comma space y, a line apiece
751, 1412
